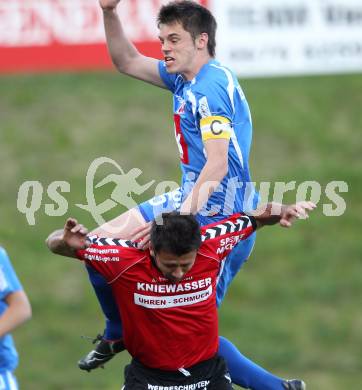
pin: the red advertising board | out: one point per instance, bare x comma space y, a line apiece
46, 35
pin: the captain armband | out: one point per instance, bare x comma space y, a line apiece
215, 127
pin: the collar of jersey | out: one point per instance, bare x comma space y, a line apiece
202, 70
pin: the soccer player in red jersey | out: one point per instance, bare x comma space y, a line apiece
166, 295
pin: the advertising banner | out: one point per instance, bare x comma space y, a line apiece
42, 35
260, 38
286, 37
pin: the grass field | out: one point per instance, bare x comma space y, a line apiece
296, 306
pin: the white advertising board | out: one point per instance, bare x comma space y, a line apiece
41, 22
286, 37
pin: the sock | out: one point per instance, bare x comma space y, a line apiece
244, 372
113, 326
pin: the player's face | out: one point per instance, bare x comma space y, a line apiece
173, 267
178, 47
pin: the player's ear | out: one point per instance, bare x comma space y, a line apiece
152, 251
201, 41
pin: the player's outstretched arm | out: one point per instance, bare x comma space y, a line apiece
273, 213
68, 240
125, 56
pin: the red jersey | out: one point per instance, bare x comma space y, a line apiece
168, 325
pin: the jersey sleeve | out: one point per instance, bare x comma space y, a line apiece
9, 282
107, 256
218, 239
215, 111
168, 78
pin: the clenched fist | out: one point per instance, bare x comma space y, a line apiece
108, 4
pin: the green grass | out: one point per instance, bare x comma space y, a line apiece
296, 306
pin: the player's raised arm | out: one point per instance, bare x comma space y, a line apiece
69, 240
125, 56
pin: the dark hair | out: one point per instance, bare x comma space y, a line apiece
175, 233
193, 17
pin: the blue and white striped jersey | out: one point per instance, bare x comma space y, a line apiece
213, 106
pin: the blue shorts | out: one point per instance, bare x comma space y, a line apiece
171, 201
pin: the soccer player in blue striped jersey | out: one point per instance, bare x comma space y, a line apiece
212, 109
213, 132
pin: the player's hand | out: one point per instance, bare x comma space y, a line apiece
296, 211
75, 235
108, 4
142, 236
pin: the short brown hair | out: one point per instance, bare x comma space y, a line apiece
193, 17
